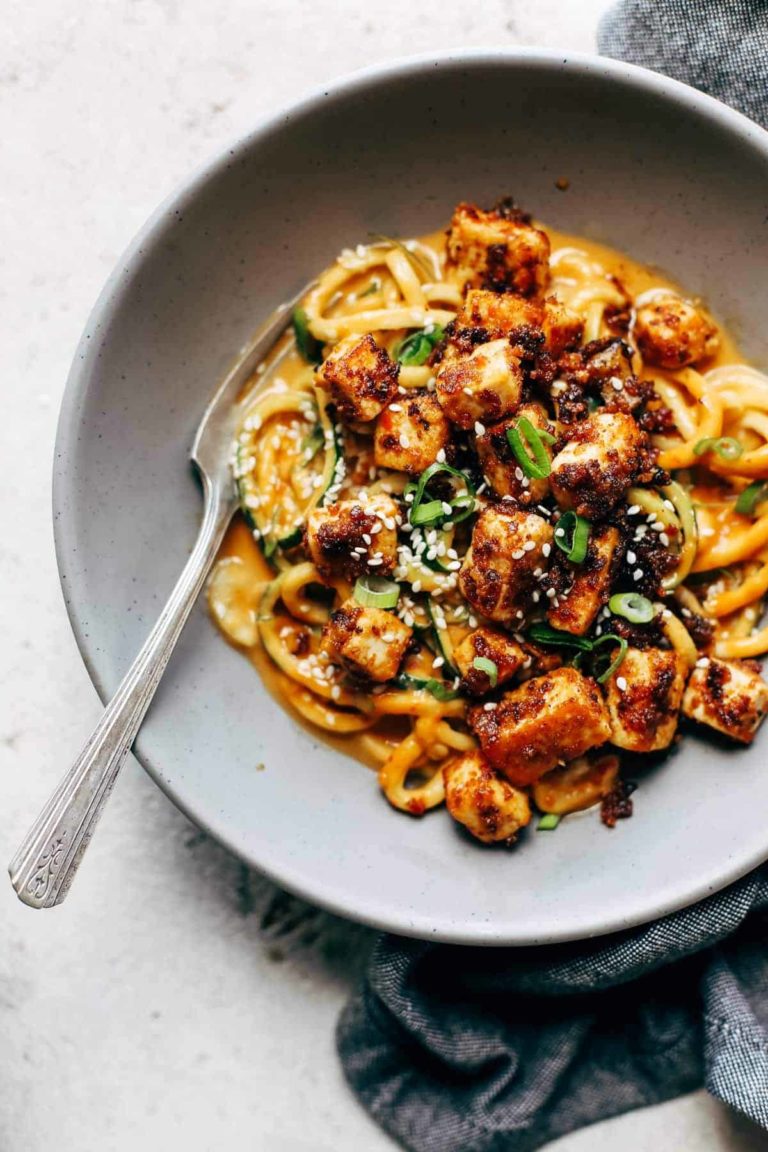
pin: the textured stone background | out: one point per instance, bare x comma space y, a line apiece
175, 1000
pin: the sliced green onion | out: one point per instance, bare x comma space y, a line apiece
572, 536
548, 822
612, 667
483, 664
537, 465
428, 513
723, 446
376, 592
439, 690
310, 348
417, 348
542, 633
269, 546
633, 607
462, 503
751, 497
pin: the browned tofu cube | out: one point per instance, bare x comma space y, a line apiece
541, 724
508, 547
481, 387
672, 332
487, 644
593, 471
410, 432
578, 785
728, 695
360, 377
354, 537
500, 467
590, 588
644, 697
369, 642
515, 317
500, 250
487, 805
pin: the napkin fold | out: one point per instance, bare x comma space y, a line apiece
503, 1050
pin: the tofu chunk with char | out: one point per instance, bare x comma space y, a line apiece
335, 537
644, 697
485, 803
729, 696
410, 432
369, 642
483, 386
508, 546
594, 469
545, 722
518, 319
488, 644
590, 588
498, 249
673, 333
360, 377
498, 461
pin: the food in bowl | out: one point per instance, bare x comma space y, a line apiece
504, 520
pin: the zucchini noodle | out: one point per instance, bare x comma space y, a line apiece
299, 455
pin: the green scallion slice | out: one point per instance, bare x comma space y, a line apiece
752, 496
723, 446
617, 660
548, 822
572, 536
462, 502
633, 607
376, 592
439, 690
483, 664
524, 436
310, 348
416, 349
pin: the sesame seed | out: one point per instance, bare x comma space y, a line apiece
489, 707
438, 662
546, 549
447, 509
479, 428
395, 407
621, 683
518, 554
551, 593
529, 546
404, 441
633, 511
637, 574
664, 539
631, 558
335, 692
440, 456
616, 384
703, 662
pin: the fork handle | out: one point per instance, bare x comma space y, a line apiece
48, 858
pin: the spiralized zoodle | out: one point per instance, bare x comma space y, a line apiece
510, 491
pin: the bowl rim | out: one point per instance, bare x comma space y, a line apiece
83, 362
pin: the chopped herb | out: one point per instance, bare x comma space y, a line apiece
537, 465
483, 664
417, 348
310, 348
548, 822
633, 607
572, 536
723, 446
462, 503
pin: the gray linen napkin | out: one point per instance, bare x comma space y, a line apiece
476, 1050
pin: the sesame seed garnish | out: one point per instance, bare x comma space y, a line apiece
638, 574
479, 428
703, 662
551, 593
621, 683
631, 558
489, 707
546, 549
633, 511
529, 546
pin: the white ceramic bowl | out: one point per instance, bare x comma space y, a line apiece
667, 174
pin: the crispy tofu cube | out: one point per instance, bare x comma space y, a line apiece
672, 332
360, 377
508, 547
590, 589
369, 642
486, 804
499, 250
644, 697
593, 471
335, 537
730, 696
515, 317
488, 644
576, 786
500, 467
483, 386
410, 432
543, 723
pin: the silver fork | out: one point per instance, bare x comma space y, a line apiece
49, 856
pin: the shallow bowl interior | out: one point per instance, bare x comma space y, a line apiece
655, 169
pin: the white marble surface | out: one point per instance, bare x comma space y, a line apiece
170, 1003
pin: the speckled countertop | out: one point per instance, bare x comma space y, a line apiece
175, 1000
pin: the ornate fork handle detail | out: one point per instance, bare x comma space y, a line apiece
45, 864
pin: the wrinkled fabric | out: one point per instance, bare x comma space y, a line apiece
503, 1050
